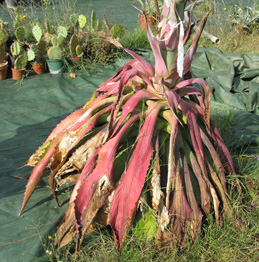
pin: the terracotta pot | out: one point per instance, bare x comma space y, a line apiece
3, 70
39, 68
142, 20
76, 59
18, 73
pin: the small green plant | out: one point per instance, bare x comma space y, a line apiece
246, 18
117, 31
3, 39
21, 62
75, 48
55, 52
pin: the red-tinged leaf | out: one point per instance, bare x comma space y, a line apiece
66, 123
179, 210
215, 158
195, 215
37, 174
173, 153
131, 104
194, 45
99, 184
67, 230
127, 193
205, 199
223, 150
160, 66
148, 68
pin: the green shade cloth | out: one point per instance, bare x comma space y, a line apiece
31, 108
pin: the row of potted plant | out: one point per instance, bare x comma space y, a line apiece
51, 45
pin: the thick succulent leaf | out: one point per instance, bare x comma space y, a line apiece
160, 66
37, 174
67, 230
95, 189
131, 104
127, 193
194, 45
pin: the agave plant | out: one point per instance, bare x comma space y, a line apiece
159, 116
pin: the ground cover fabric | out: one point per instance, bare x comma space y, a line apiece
31, 108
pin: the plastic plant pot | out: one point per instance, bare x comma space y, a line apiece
55, 66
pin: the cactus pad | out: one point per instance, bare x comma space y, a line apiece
31, 54
37, 32
79, 50
16, 49
54, 52
62, 31
99, 25
72, 45
117, 31
93, 19
21, 62
82, 20
20, 33
73, 19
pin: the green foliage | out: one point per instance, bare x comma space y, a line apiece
21, 62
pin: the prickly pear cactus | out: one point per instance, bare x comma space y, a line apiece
21, 62
73, 19
99, 25
20, 34
117, 31
72, 45
82, 20
62, 31
3, 39
93, 19
79, 50
37, 32
54, 52
31, 54
16, 49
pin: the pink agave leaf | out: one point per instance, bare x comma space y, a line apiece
215, 158
117, 104
37, 174
131, 104
173, 155
67, 230
86, 204
180, 209
193, 47
223, 150
160, 66
127, 193
195, 215
205, 198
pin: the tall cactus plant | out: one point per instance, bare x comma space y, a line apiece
3, 39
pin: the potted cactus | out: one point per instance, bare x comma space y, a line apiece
38, 51
3, 63
20, 60
76, 50
55, 62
